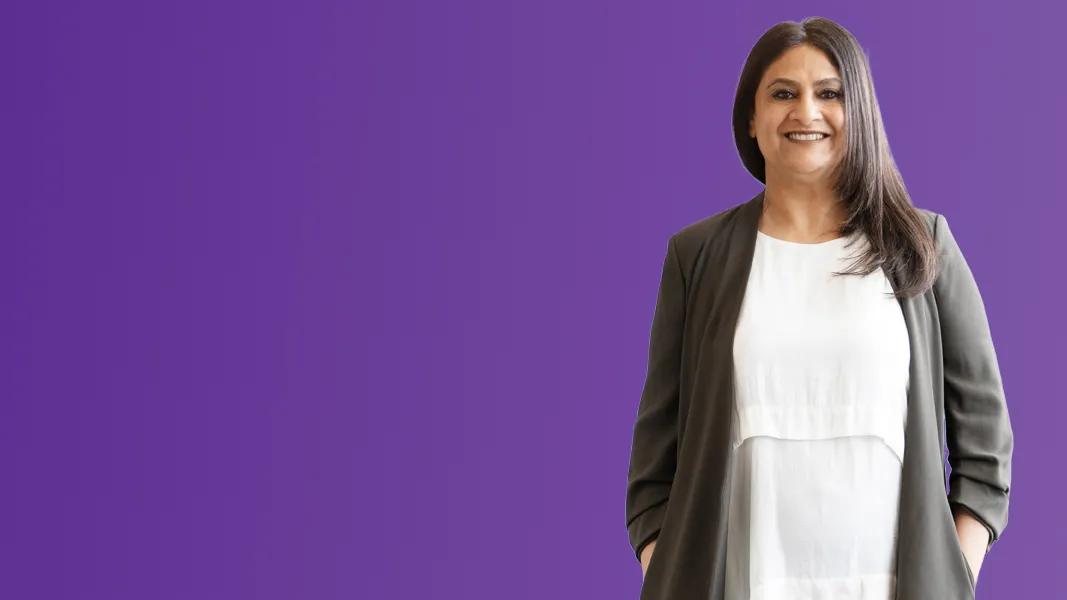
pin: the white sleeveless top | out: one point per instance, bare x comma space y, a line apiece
821, 406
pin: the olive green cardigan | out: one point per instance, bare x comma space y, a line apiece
678, 481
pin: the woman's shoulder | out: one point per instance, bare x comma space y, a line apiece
706, 227
695, 236
930, 218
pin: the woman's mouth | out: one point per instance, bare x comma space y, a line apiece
807, 137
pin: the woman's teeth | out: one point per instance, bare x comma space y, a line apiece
806, 137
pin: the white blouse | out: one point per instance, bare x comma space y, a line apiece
821, 406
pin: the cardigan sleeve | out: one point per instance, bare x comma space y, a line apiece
655, 432
978, 429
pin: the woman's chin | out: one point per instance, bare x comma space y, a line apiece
807, 169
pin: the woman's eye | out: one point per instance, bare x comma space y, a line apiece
825, 95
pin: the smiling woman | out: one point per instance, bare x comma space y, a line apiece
813, 353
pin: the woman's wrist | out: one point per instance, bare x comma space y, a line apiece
646, 556
974, 539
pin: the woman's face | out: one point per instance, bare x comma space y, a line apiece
801, 92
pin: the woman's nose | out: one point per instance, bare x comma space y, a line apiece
806, 110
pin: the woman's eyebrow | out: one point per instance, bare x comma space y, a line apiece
790, 82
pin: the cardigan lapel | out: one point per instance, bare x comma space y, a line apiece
930, 562
730, 285
691, 564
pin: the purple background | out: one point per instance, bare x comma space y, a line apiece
352, 300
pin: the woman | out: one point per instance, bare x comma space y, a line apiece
813, 352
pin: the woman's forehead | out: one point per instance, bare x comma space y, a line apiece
802, 64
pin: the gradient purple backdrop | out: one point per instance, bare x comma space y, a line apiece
352, 300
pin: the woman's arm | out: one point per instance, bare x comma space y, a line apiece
655, 434
979, 433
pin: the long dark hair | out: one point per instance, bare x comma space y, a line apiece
867, 180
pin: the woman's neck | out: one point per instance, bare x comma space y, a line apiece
806, 213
